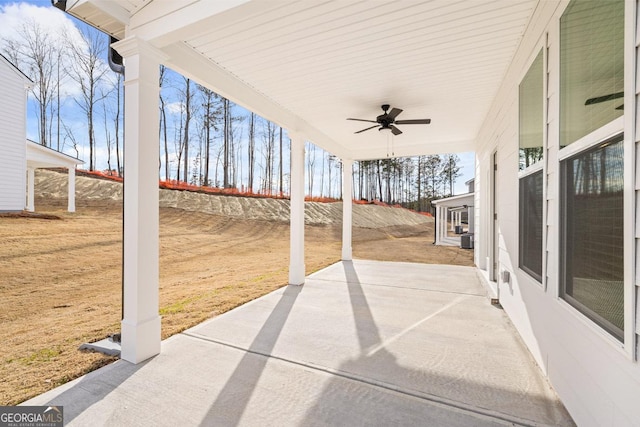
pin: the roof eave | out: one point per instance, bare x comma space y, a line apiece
107, 16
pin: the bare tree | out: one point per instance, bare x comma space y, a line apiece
107, 136
211, 115
281, 176
88, 70
70, 136
251, 149
187, 120
269, 137
163, 119
34, 52
177, 138
226, 141
237, 136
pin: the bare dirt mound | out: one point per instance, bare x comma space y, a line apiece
53, 185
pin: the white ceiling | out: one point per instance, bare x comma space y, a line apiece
308, 65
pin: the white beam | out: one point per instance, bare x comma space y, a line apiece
296, 260
141, 322
347, 208
166, 22
189, 63
71, 197
30, 189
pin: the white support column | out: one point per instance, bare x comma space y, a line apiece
296, 259
437, 225
141, 322
442, 224
347, 208
30, 189
71, 197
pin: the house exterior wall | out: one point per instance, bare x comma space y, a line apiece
13, 160
596, 376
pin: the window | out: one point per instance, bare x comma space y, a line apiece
531, 144
591, 181
530, 258
531, 123
592, 234
591, 67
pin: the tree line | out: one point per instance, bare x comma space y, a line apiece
205, 139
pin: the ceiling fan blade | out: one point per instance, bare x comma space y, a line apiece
360, 131
599, 99
394, 113
620, 107
363, 120
395, 130
413, 122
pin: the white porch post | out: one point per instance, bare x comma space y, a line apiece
141, 322
30, 189
439, 224
347, 208
296, 259
71, 197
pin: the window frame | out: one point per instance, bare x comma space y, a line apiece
542, 48
588, 139
626, 124
530, 172
576, 306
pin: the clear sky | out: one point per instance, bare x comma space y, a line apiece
9, 15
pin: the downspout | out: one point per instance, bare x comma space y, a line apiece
114, 58
117, 66
59, 4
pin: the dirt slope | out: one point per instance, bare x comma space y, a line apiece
49, 184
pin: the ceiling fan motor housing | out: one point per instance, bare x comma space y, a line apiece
388, 119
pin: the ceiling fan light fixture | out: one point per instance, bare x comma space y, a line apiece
388, 119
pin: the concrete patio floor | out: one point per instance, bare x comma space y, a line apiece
362, 343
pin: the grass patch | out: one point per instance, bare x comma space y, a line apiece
42, 355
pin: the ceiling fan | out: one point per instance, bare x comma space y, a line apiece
388, 119
604, 98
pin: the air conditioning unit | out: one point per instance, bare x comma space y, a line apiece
466, 241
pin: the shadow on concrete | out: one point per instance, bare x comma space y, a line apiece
394, 403
93, 388
232, 400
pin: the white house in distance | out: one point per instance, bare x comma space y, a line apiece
19, 158
544, 91
39, 156
13, 134
449, 215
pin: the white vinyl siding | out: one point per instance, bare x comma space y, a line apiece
594, 374
13, 161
